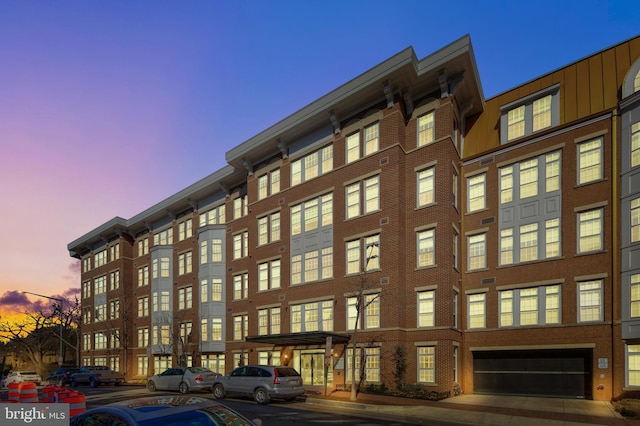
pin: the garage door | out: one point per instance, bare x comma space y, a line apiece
556, 373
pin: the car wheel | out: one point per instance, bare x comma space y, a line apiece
261, 396
183, 387
93, 382
218, 391
151, 386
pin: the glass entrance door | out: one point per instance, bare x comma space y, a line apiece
312, 369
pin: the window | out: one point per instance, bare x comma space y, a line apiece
185, 298
241, 245
369, 312
552, 171
86, 289
86, 341
312, 316
114, 280
240, 326
215, 247
143, 307
371, 143
635, 144
240, 286
529, 242
114, 309
269, 275
635, 220
143, 337
426, 134
367, 357
454, 262
363, 254
86, 264
426, 248
269, 184
211, 290
269, 228
312, 165
214, 216
163, 238
100, 258
240, 206
635, 295
161, 363
185, 229
143, 276
590, 161
143, 246
185, 332
363, 197
477, 252
552, 237
100, 340
268, 321
590, 301
86, 315
160, 335
114, 252
476, 190
426, 364
100, 313
477, 310
161, 301
426, 185
532, 114
114, 340
590, 231
312, 214
100, 285
633, 365
160, 267
506, 246
530, 306
529, 178
185, 263
426, 308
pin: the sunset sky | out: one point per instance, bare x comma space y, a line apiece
109, 107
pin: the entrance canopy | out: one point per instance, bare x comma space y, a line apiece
295, 339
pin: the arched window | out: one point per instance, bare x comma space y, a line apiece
636, 82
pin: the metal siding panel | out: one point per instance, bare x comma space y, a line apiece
596, 86
610, 80
582, 85
569, 98
622, 61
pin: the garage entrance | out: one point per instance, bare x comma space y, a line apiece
563, 373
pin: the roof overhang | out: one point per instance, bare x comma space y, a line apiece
299, 339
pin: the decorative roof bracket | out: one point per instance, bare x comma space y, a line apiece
388, 93
335, 122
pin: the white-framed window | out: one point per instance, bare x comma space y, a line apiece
100, 340
86, 264
142, 365
312, 316
454, 261
590, 298
318, 265
241, 286
161, 301
635, 220
269, 228
312, 165
635, 144
114, 309
100, 258
355, 150
160, 267
100, 312
634, 295
369, 358
268, 184
114, 280
426, 248
534, 113
86, 289
311, 214
633, 365
185, 263
530, 306
269, 321
163, 238
369, 312
426, 308
426, 364
552, 238
269, 275
363, 197
143, 306
363, 254
162, 362
185, 332
477, 249
590, 161
185, 297
529, 178
477, 310
426, 187
240, 206
211, 290
86, 341
160, 335
426, 128
211, 251
114, 341
240, 326
114, 252
506, 246
100, 284
529, 242
143, 276
476, 190
143, 246
590, 237
240, 245
185, 229
143, 337
215, 216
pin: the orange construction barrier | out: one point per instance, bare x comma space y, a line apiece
59, 394
77, 403
14, 392
28, 393
46, 393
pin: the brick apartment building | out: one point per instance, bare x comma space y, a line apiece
493, 244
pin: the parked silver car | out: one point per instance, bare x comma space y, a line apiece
183, 380
262, 382
23, 376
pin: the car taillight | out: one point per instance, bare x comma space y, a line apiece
276, 379
198, 379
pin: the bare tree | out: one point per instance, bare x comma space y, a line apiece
32, 337
119, 316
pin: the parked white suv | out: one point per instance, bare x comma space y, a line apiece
22, 376
261, 382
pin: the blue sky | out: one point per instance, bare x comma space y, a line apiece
108, 107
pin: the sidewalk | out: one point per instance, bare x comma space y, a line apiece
478, 409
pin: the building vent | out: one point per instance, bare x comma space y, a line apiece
384, 280
384, 160
230, 229
488, 281
384, 221
488, 220
282, 249
281, 298
486, 160
281, 201
230, 269
229, 309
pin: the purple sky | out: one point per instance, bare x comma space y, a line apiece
108, 107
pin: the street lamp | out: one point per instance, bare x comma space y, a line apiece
57, 299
